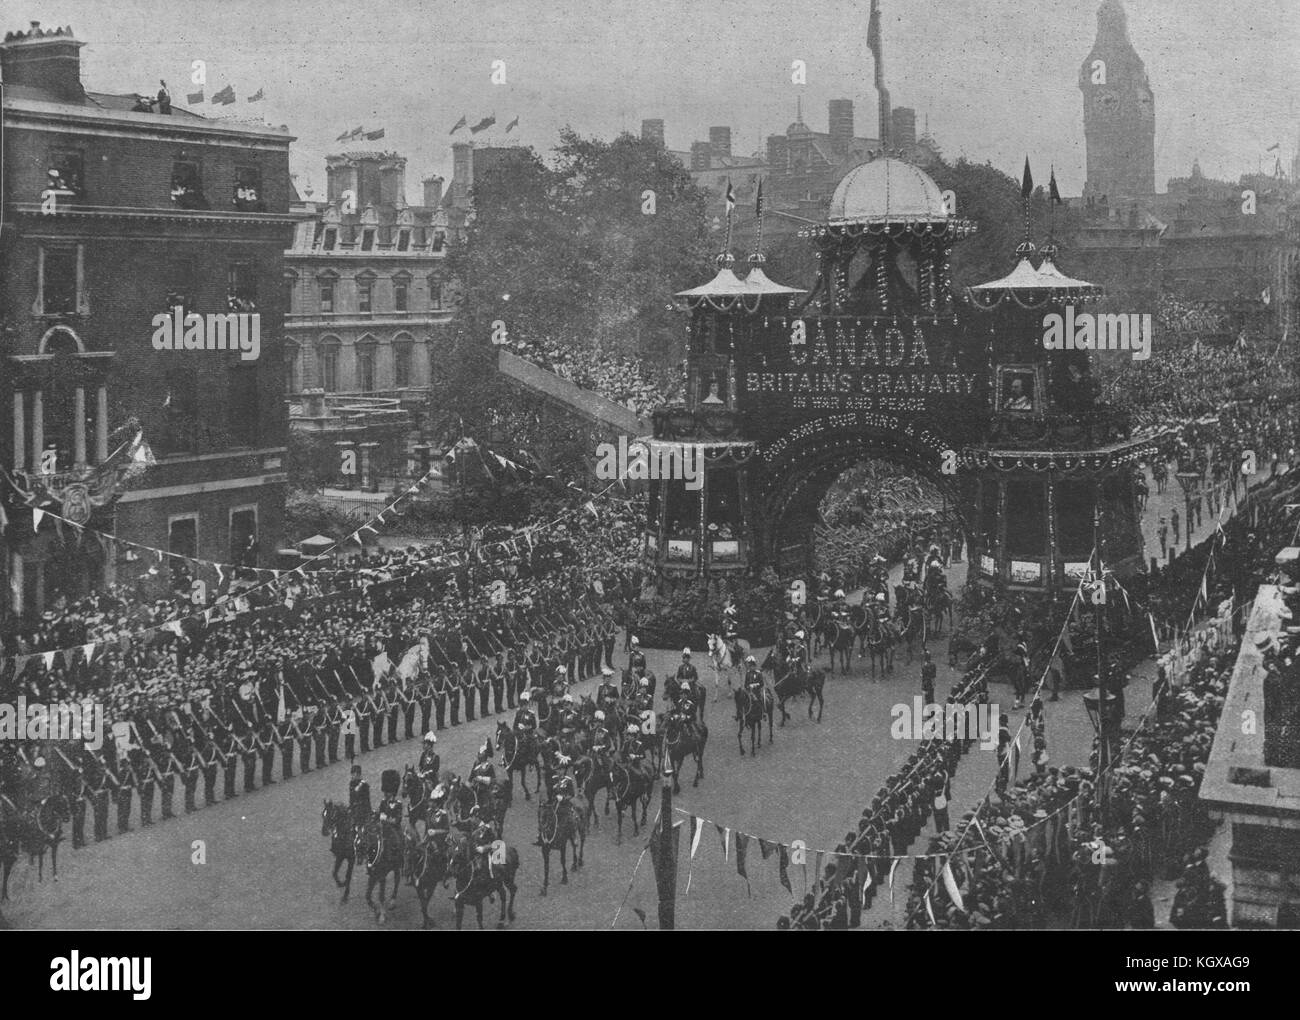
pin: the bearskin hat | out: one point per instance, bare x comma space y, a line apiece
390, 782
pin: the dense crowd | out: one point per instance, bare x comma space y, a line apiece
626, 381
396, 639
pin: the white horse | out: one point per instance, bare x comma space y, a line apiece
720, 654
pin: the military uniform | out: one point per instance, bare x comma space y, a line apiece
497, 674
359, 801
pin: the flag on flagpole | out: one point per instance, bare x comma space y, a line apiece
342, 138
459, 124
511, 125
374, 135
1027, 181
194, 97
225, 97
259, 94
483, 125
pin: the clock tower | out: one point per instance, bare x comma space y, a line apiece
1119, 121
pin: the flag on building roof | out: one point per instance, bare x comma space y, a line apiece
511, 125
1273, 147
259, 94
356, 132
372, 135
194, 97
483, 125
342, 138
1027, 182
225, 97
459, 124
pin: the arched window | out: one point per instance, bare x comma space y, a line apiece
366, 356
329, 364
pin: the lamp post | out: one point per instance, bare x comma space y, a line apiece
1188, 481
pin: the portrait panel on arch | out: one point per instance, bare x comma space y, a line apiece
1018, 389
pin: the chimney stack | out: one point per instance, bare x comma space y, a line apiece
652, 131
701, 155
903, 133
433, 191
840, 119
778, 153
392, 181
47, 59
720, 142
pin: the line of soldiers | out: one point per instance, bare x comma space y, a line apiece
307, 712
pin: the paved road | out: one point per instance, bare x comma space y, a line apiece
267, 865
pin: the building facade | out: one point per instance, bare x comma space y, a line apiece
116, 213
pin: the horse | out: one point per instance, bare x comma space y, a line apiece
881, 638
519, 754
801, 680
913, 628
461, 800
631, 786
749, 712
841, 641
494, 800
475, 883
591, 773
42, 829
428, 865
416, 791
383, 854
725, 657
683, 738
938, 603
336, 823
558, 830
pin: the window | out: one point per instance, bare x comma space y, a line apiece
289, 284
241, 287
404, 239
292, 372
243, 536
439, 239
187, 188
183, 535
366, 366
241, 404
329, 366
59, 281
435, 293
66, 173
248, 189
365, 295
399, 297
327, 297
368, 239
331, 238
402, 364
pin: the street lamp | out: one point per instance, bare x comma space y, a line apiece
1188, 481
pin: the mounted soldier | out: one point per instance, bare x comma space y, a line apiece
525, 722
390, 808
358, 798
797, 657
602, 741
686, 674
607, 694
483, 775
636, 658
429, 764
731, 630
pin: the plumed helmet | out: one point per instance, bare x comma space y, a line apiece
686, 652
430, 738
599, 716
633, 728
839, 593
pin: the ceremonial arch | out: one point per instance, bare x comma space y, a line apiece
880, 360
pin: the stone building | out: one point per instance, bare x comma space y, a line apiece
117, 210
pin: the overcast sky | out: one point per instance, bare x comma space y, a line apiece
997, 78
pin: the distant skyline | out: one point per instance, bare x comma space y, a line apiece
997, 79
